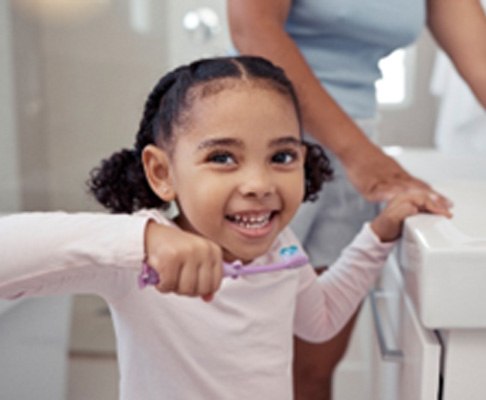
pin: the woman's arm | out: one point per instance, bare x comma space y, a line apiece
257, 27
460, 29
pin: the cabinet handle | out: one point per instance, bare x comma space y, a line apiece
387, 353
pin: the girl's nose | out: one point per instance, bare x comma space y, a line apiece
257, 183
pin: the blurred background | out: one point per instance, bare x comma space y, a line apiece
74, 75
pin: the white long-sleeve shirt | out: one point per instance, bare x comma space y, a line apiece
238, 346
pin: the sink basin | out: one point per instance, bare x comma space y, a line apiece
443, 261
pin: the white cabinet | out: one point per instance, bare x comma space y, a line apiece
431, 298
406, 360
391, 355
464, 369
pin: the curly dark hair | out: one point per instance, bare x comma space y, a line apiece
119, 183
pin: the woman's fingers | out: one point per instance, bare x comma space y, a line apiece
427, 201
437, 203
386, 191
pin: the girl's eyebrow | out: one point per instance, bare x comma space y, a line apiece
287, 140
216, 142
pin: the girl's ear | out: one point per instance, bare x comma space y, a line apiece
156, 164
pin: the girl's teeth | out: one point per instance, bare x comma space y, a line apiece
252, 221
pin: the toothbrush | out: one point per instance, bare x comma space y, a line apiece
149, 276
236, 268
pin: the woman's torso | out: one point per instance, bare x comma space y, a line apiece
343, 40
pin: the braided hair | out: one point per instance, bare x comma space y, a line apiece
119, 183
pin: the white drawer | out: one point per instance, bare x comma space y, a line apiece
406, 361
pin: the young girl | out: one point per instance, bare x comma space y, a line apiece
220, 139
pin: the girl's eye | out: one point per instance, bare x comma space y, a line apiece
284, 157
221, 158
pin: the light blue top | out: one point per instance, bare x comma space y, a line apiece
343, 40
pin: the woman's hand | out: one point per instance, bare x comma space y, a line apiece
378, 177
187, 264
388, 224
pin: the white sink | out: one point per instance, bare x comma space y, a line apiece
444, 261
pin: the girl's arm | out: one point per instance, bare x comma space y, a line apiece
326, 304
53, 253
460, 29
324, 308
258, 27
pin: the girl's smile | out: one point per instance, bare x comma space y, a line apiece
252, 224
237, 168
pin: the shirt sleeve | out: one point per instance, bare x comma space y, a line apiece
59, 253
325, 304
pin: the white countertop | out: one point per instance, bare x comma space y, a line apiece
444, 261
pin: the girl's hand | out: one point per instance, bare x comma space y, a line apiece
388, 224
187, 264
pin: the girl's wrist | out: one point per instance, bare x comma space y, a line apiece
384, 231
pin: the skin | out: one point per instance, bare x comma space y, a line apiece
238, 156
463, 42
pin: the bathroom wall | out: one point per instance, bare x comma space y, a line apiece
30, 110
9, 168
77, 92
97, 74
76, 84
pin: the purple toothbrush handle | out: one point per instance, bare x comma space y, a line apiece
236, 269
149, 276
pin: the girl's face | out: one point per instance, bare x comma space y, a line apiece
238, 169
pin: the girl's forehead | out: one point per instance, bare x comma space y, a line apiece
260, 104
229, 85
223, 94
244, 112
